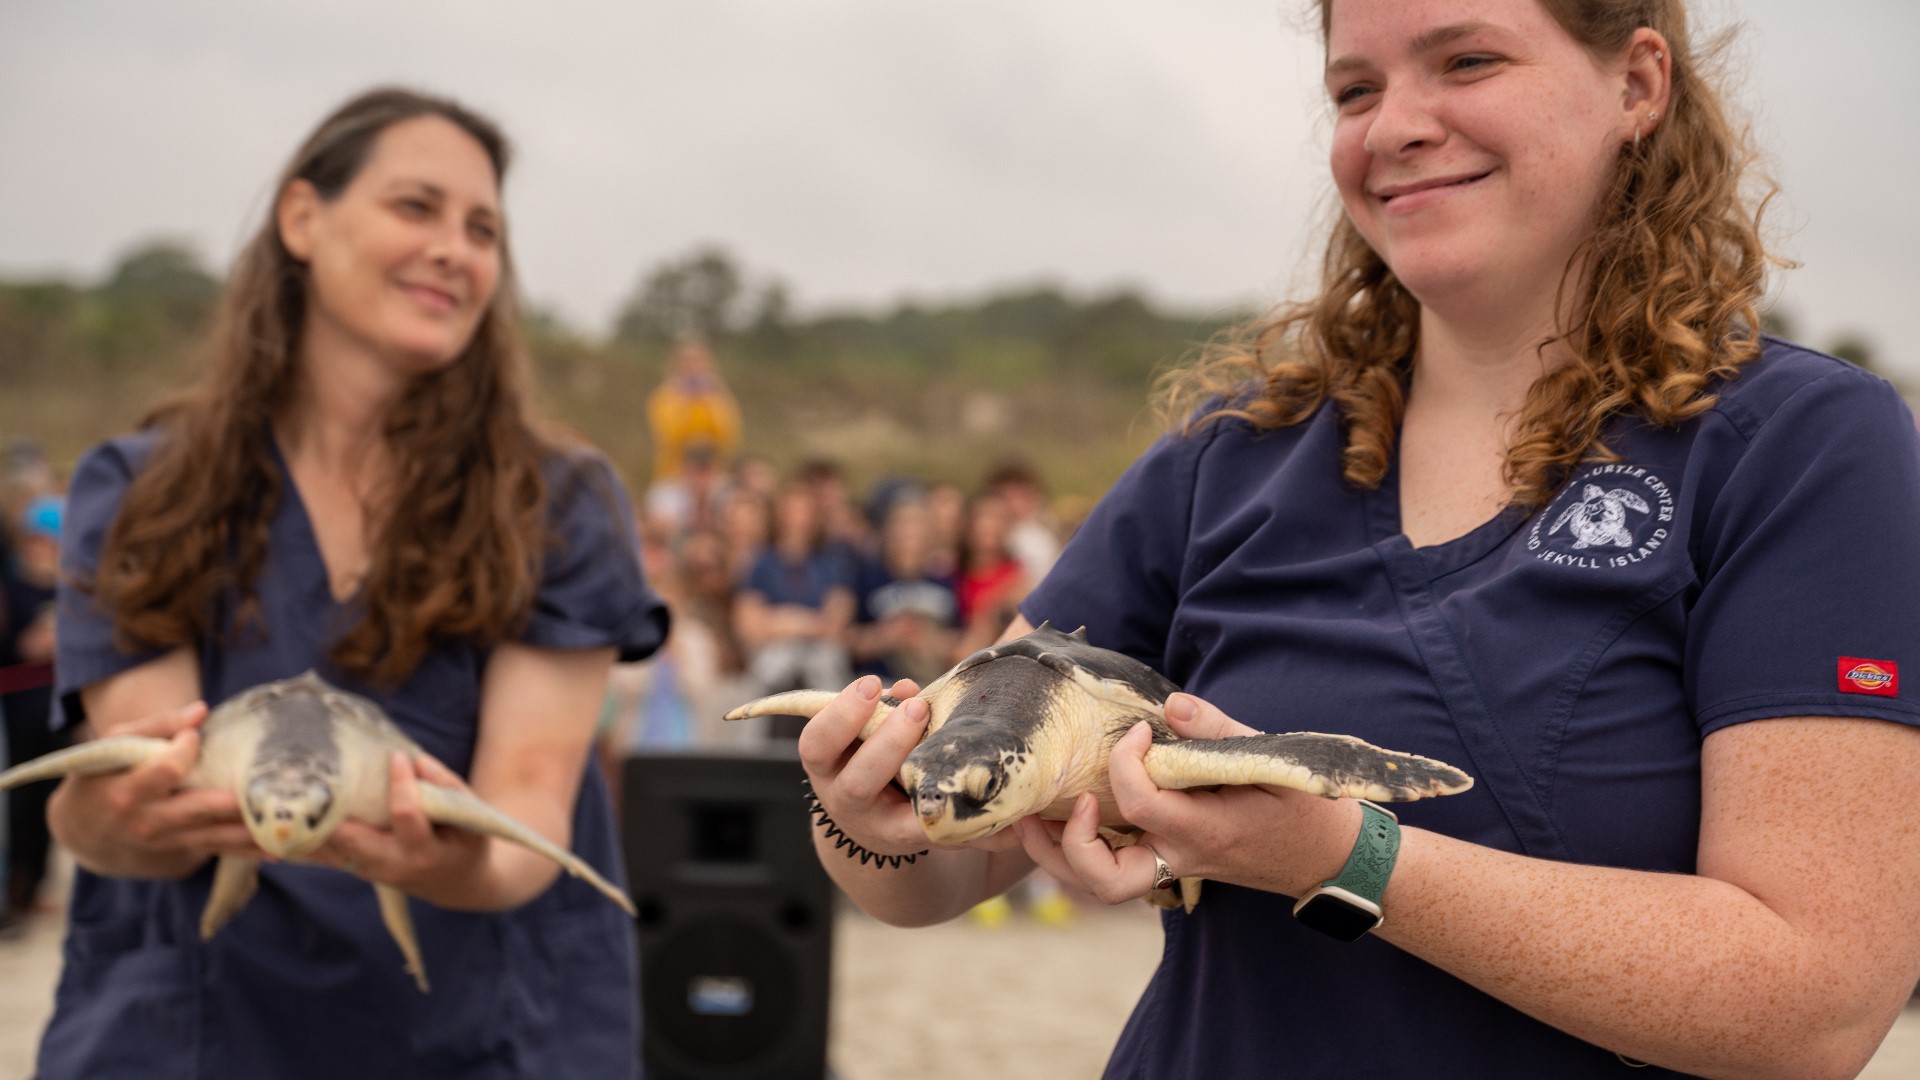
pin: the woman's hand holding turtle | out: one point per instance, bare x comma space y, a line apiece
139, 822
1257, 835
854, 779
445, 866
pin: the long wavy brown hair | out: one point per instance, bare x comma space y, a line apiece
1674, 273
461, 530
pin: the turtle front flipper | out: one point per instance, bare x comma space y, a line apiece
808, 703
1334, 766
399, 923
449, 806
87, 759
234, 883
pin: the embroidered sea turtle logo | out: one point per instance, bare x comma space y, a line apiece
1599, 519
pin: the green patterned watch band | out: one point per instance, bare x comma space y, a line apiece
1374, 852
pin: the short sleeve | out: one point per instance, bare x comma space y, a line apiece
86, 651
1808, 587
592, 591
1119, 576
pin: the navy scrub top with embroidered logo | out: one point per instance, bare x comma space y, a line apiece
305, 982
1754, 562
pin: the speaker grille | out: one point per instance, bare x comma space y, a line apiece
720, 991
736, 916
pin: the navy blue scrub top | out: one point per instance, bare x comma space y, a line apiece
1754, 562
306, 982
803, 584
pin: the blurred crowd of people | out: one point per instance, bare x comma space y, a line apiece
31, 508
791, 581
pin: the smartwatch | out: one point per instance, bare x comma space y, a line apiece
1347, 907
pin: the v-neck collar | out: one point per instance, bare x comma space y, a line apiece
1436, 560
300, 521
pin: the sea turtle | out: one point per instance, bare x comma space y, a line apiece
1025, 726
1600, 517
302, 756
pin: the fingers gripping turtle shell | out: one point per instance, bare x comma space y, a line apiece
302, 756
1026, 726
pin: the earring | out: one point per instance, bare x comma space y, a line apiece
1658, 55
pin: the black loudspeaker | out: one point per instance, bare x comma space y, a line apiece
735, 916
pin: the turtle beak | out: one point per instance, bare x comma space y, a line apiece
932, 808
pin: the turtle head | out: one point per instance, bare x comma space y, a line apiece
287, 810
968, 784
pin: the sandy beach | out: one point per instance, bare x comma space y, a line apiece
998, 1013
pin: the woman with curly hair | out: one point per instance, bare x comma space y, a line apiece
1524, 488
359, 486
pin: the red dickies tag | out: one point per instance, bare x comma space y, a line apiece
1881, 678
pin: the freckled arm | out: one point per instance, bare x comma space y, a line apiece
1789, 954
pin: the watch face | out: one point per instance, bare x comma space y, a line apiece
1336, 918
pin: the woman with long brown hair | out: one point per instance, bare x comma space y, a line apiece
358, 485
1524, 489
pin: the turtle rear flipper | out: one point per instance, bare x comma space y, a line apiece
1331, 765
234, 882
87, 759
399, 924
449, 806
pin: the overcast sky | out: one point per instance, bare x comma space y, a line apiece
866, 150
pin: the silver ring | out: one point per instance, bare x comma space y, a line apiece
1163, 875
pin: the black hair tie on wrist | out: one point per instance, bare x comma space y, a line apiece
841, 840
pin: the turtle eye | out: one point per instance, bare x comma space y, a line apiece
989, 790
980, 783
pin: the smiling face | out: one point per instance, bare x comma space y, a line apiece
1473, 141
404, 261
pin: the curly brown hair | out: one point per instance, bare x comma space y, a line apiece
1674, 274
457, 552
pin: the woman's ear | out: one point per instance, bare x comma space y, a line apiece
296, 214
1648, 78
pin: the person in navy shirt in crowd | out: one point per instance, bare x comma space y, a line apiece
1523, 489
358, 486
793, 609
907, 619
